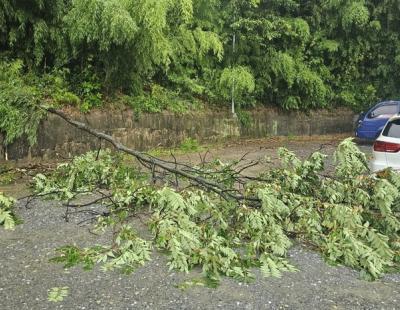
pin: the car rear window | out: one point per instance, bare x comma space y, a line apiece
392, 129
388, 109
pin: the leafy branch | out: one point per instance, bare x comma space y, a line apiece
213, 216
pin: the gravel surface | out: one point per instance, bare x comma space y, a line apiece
26, 274
266, 150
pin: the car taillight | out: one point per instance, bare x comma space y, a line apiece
381, 146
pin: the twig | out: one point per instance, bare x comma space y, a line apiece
89, 203
99, 149
176, 167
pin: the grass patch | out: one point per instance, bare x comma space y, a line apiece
187, 146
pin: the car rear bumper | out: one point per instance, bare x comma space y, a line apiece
376, 166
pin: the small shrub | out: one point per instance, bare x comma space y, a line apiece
91, 95
189, 145
244, 118
157, 100
66, 98
7, 178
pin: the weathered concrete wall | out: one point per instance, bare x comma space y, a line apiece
167, 129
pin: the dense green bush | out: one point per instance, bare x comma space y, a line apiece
18, 104
158, 99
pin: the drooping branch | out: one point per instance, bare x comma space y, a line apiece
175, 168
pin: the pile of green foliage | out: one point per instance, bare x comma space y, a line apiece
350, 216
7, 217
295, 54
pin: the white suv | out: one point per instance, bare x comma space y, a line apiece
387, 147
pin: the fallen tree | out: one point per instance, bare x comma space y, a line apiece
213, 216
195, 175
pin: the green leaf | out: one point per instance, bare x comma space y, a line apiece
57, 294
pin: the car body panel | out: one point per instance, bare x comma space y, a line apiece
369, 125
383, 160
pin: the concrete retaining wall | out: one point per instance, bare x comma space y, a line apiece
168, 129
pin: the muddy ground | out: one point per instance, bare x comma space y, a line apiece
26, 275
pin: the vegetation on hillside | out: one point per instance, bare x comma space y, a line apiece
181, 54
300, 54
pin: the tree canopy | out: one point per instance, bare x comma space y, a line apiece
302, 54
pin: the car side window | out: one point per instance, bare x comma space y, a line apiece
384, 110
392, 129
